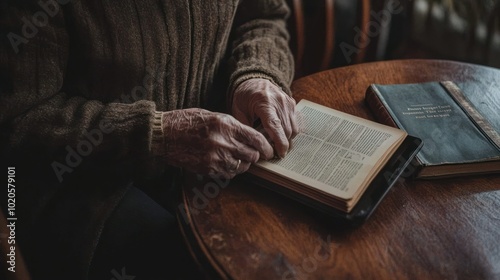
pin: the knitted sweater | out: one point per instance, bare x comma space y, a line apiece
81, 85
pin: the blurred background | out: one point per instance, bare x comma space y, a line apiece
334, 33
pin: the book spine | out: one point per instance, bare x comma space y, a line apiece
378, 108
477, 119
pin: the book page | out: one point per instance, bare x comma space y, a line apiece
336, 152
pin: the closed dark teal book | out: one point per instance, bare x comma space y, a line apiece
459, 125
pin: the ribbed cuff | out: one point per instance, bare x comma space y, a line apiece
249, 76
158, 140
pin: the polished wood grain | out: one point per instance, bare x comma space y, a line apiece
439, 229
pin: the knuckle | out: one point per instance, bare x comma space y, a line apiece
251, 156
254, 157
284, 145
275, 122
219, 121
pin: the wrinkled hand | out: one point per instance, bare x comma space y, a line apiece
261, 99
211, 143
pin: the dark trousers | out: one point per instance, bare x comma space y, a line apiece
99, 225
141, 240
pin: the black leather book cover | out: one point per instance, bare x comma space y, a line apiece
397, 168
450, 135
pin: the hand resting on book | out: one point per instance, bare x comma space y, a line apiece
207, 142
260, 99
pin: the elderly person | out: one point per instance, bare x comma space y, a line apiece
100, 101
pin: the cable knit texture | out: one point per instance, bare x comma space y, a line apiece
81, 96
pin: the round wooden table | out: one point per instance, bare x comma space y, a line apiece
439, 229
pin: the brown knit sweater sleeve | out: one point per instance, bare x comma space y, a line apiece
38, 119
260, 44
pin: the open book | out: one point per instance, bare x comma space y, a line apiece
336, 159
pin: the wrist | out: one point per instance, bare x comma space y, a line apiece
243, 79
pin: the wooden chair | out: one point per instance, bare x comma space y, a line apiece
318, 29
474, 13
493, 25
